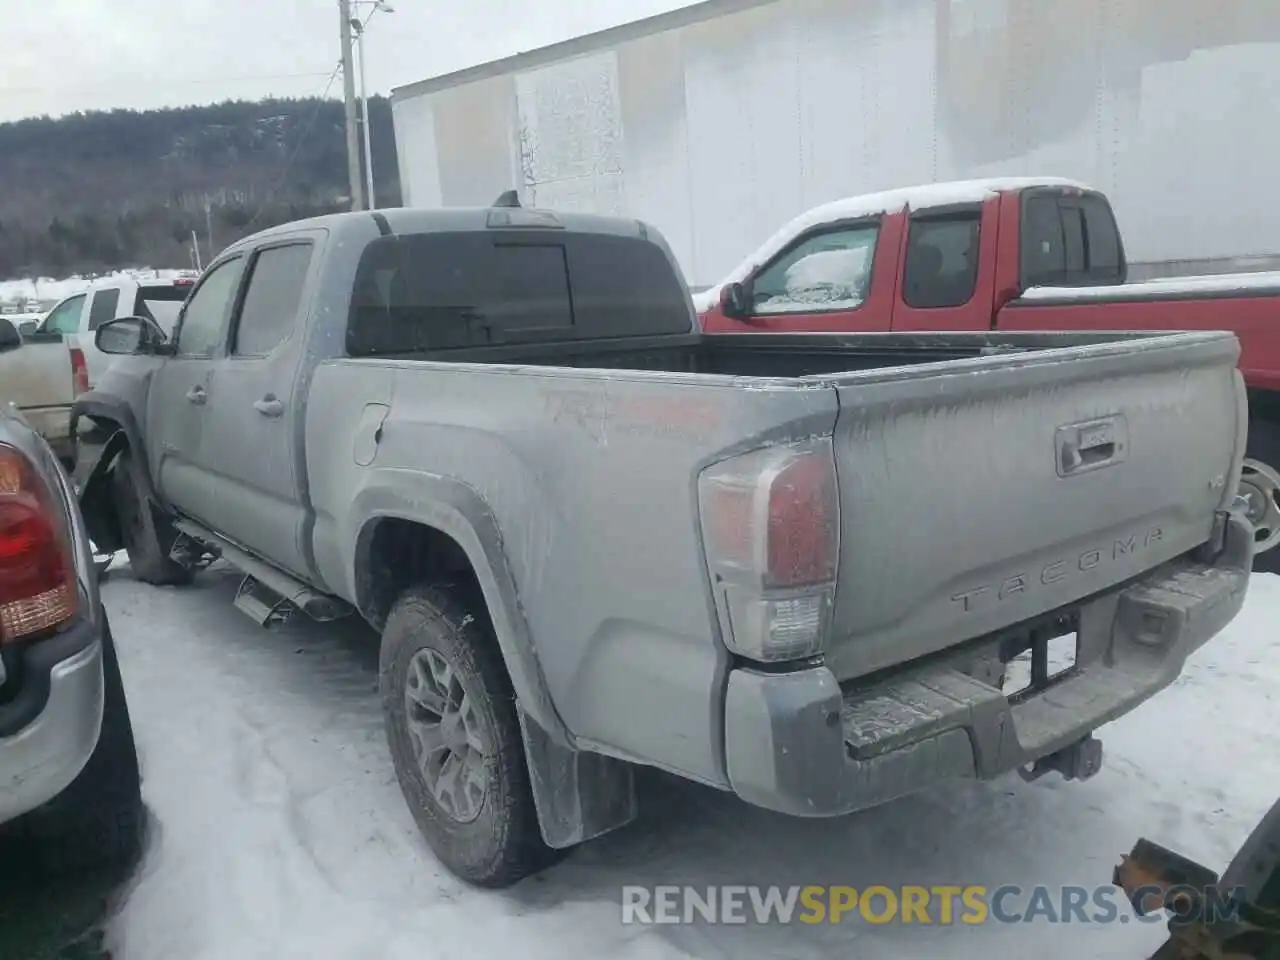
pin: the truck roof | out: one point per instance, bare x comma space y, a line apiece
415, 220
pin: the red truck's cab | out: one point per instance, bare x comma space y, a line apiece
1015, 254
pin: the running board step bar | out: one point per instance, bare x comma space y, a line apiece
267, 592
262, 605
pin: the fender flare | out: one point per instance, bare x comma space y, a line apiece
96, 406
461, 513
97, 505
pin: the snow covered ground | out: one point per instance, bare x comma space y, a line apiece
281, 832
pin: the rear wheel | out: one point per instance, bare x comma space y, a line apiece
1260, 486
455, 739
148, 556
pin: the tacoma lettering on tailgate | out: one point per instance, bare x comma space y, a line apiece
1058, 570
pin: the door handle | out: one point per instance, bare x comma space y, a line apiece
269, 406
1082, 447
197, 395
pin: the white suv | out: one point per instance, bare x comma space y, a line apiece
76, 317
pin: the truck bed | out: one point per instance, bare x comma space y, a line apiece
985, 479
783, 355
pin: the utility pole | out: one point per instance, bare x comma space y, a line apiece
349, 103
371, 196
208, 224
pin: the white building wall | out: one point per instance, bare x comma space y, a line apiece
720, 131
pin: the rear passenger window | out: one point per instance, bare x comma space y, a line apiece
449, 290
272, 299
1069, 240
942, 260
1102, 241
1044, 258
103, 307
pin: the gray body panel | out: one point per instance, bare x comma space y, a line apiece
573, 493
44, 755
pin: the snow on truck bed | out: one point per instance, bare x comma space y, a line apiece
280, 832
1164, 288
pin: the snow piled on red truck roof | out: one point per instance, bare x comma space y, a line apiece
919, 197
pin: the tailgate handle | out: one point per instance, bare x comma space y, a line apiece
1081, 447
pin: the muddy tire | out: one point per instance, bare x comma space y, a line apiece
1260, 484
148, 555
99, 820
455, 739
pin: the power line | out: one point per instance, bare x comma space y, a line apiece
321, 102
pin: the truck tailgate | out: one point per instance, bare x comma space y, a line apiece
37, 375
979, 493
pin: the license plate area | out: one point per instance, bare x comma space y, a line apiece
1038, 658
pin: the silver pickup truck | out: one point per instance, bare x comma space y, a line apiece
803, 568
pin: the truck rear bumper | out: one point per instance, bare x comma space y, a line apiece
800, 744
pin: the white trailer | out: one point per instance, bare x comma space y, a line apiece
720, 121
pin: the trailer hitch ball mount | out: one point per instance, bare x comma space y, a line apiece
1080, 761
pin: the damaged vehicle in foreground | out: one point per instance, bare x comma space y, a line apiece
818, 570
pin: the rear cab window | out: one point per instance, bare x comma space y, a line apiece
1069, 239
448, 290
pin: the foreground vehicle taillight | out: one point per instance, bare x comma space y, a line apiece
771, 525
38, 589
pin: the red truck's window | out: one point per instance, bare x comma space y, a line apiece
824, 271
1069, 240
942, 260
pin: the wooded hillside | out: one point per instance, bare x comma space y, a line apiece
98, 191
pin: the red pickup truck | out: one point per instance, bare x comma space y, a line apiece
1014, 254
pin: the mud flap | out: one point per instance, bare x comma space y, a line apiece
578, 795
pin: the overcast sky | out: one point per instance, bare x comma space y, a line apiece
65, 55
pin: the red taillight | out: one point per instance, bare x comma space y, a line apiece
771, 527
38, 588
79, 371
802, 530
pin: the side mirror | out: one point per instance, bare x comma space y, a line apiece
735, 301
10, 339
27, 328
129, 336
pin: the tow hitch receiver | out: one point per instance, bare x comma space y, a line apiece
1080, 761
1232, 917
